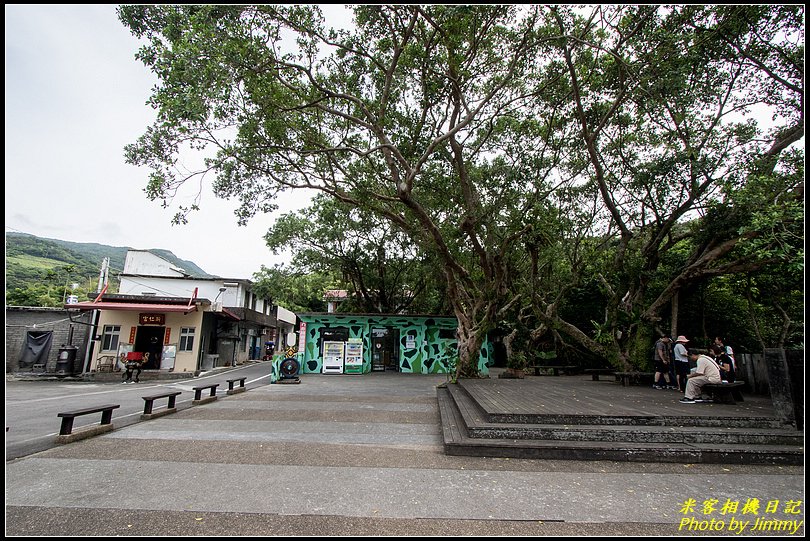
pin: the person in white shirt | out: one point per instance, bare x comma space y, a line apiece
707, 371
681, 361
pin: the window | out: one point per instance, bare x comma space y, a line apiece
109, 339
186, 338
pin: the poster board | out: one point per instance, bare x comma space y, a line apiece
123, 349
168, 357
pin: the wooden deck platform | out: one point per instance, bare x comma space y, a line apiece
580, 395
575, 417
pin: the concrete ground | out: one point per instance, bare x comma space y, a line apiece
362, 455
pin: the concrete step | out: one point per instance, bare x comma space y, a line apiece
458, 440
691, 432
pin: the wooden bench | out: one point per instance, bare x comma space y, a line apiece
596, 372
239, 389
554, 369
66, 430
149, 401
725, 393
198, 393
630, 378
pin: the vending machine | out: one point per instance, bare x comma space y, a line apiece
354, 356
333, 355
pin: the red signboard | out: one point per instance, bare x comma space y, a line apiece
168, 336
152, 319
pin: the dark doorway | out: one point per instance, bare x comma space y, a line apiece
384, 349
150, 340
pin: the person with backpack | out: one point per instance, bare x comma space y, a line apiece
662, 360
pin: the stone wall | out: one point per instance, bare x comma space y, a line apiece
20, 320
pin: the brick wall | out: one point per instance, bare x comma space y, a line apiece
22, 319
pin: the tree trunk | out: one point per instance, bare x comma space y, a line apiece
673, 325
469, 347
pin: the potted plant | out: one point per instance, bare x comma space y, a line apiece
516, 365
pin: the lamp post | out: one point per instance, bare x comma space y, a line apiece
221, 291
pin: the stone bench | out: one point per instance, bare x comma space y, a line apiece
149, 402
239, 389
725, 393
596, 372
554, 369
633, 378
66, 434
198, 394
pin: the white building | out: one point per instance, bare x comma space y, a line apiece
184, 323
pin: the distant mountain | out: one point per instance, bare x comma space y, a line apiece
35, 262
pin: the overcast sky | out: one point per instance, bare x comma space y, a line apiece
75, 97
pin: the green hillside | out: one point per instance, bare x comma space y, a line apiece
41, 272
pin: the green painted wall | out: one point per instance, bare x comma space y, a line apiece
431, 354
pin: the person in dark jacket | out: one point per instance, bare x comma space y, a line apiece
725, 363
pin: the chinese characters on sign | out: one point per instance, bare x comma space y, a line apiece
152, 319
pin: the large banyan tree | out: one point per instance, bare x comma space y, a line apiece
525, 149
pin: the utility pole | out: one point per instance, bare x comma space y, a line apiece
103, 276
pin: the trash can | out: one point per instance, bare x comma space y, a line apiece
66, 360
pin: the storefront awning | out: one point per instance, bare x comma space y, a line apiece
132, 307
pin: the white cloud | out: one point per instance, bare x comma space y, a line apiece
75, 96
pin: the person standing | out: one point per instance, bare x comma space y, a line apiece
662, 359
707, 371
681, 361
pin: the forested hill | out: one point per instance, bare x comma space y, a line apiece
38, 269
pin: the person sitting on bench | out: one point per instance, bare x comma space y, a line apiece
724, 362
133, 363
707, 371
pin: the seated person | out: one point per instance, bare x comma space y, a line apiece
725, 363
707, 371
133, 362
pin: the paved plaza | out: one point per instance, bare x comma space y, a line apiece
363, 455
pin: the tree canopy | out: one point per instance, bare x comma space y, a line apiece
532, 152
